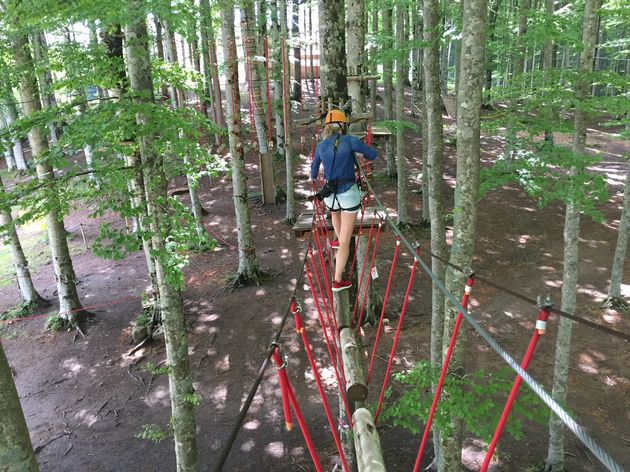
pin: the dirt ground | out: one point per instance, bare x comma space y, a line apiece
85, 402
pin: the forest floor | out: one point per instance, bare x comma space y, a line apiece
85, 402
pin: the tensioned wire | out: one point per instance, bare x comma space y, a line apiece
536, 387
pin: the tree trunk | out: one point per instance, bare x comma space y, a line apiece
332, 68
288, 148
388, 85
277, 78
28, 294
248, 270
207, 47
466, 191
616, 273
547, 62
69, 305
12, 115
555, 454
523, 13
178, 101
492, 22
40, 56
401, 160
265, 161
355, 45
8, 153
446, 44
434, 150
296, 89
180, 378
373, 57
16, 450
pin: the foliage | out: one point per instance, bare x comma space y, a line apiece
152, 369
20, 310
55, 323
475, 399
152, 432
192, 399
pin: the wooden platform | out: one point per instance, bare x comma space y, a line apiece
304, 224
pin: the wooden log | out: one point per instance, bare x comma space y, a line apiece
341, 304
356, 390
367, 443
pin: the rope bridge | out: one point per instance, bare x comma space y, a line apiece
340, 324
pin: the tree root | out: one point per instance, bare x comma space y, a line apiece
239, 280
616, 303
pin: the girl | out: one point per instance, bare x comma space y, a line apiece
336, 152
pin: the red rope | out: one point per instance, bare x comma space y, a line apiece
365, 259
380, 320
336, 362
541, 323
299, 327
282, 376
394, 345
318, 247
447, 359
369, 280
269, 132
296, 409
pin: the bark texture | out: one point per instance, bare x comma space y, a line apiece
16, 450
401, 159
212, 89
355, 45
248, 33
18, 150
333, 51
180, 378
388, 84
28, 294
616, 273
69, 305
247, 263
277, 78
555, 454
467, 190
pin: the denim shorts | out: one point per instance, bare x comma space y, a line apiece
347, 201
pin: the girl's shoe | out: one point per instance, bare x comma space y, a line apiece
334, 244
339, 286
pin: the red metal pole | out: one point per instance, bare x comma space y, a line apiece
447, 359
541, 323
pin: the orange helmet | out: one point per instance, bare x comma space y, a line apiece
336, 116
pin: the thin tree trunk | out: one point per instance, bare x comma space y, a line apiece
28, 294
16, 450
616, 273
373, 57
401, 160
8, 153
388, 85
296, 89
434, 152
446, 45
69, 305
355, 45
180, 378
277, 78
492, 22
178, 101
265, 159
288, 148
18, 150
207, 47
248, 270
547, 63
40, 56
555, 454
332, 66
466, 191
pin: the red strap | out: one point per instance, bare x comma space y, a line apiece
282, 375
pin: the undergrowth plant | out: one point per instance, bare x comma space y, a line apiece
476, 399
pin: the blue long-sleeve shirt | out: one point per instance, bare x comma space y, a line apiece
343, 168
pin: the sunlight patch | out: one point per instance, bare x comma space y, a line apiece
275, 449
248, 445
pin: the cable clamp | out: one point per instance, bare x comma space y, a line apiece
468, 272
